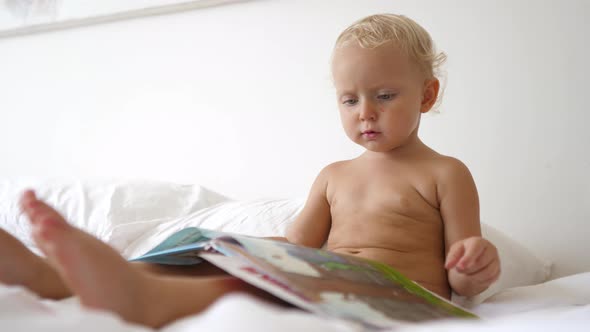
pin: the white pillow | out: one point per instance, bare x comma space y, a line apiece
100, 206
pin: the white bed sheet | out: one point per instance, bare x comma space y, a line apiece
562, 304
125, 216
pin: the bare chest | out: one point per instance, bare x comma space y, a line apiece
391, 212
384, 194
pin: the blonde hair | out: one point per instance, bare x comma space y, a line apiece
375, 30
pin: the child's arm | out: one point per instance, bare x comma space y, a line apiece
312, 226
472, 261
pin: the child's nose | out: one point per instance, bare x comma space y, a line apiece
368, 112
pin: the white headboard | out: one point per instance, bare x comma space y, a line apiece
238, 98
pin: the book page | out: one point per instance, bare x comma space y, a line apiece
339, 285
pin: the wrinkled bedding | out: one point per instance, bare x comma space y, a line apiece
134, 217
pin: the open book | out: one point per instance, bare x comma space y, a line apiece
320, 281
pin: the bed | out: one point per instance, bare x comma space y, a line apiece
222, 118
135, 216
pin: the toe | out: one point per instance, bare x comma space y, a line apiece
28, 194
40, 212
47, 223
28, 200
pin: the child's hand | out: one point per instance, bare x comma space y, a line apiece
476, 259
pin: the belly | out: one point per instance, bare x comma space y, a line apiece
426, 267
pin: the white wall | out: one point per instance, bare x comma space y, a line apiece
239, 98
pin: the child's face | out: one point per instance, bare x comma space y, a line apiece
381, 95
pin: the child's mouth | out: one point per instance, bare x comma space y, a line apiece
370, 134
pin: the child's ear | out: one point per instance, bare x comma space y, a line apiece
429, 94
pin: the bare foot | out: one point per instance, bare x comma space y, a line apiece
90, 268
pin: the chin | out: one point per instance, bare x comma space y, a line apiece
375, 147
378, 150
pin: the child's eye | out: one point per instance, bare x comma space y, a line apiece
386, 96
350, 102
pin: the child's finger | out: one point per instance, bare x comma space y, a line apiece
488, 274
455, 253
487, 256
473, 250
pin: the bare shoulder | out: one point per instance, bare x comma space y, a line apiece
451, 175
449, 169
337, 165
334, 169
443, 168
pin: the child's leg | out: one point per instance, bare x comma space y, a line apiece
19, 266
104, 280
203, 269
170, 298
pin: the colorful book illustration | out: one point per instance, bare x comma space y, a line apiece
320, 281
